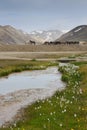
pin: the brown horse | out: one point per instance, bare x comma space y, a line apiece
32, 42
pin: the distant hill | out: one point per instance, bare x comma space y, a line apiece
49, 35
10, 35
77, 34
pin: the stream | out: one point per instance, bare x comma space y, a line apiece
21, 89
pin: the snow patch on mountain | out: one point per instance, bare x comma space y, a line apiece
49, 35
39, 31
78, 30
35, 32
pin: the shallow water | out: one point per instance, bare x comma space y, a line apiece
28, 80
21, 89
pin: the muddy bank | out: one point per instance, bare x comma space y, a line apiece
11, 103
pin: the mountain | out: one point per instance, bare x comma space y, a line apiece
42, 36
10, 35
79, 33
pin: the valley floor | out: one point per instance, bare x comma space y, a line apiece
42, 48
42, 52
49, 56
66, 110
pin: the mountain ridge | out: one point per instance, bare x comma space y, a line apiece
11, 35
78, 33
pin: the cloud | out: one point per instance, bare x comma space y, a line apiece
63, 14
14, 5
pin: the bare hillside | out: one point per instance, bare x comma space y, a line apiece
10, 35
79, 33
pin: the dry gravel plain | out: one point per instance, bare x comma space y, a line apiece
41, 52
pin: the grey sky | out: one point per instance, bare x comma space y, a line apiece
43, 14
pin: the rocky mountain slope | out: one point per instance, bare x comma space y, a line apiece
79, 33
10, 35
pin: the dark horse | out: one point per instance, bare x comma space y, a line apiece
32, 42
61, 43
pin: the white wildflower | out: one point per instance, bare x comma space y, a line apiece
80, 91
51, 113
48, 119
61, 125
44, 126
75, 115
40, 114
54, 112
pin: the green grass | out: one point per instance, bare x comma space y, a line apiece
72, 56
11, 66
80, 63
66, 110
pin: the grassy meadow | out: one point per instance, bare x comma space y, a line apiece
12, 66
66, 110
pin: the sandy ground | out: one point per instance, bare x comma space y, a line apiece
41, 52
38, 55
42, 48
11, 103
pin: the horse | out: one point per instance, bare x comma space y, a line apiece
32, 42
